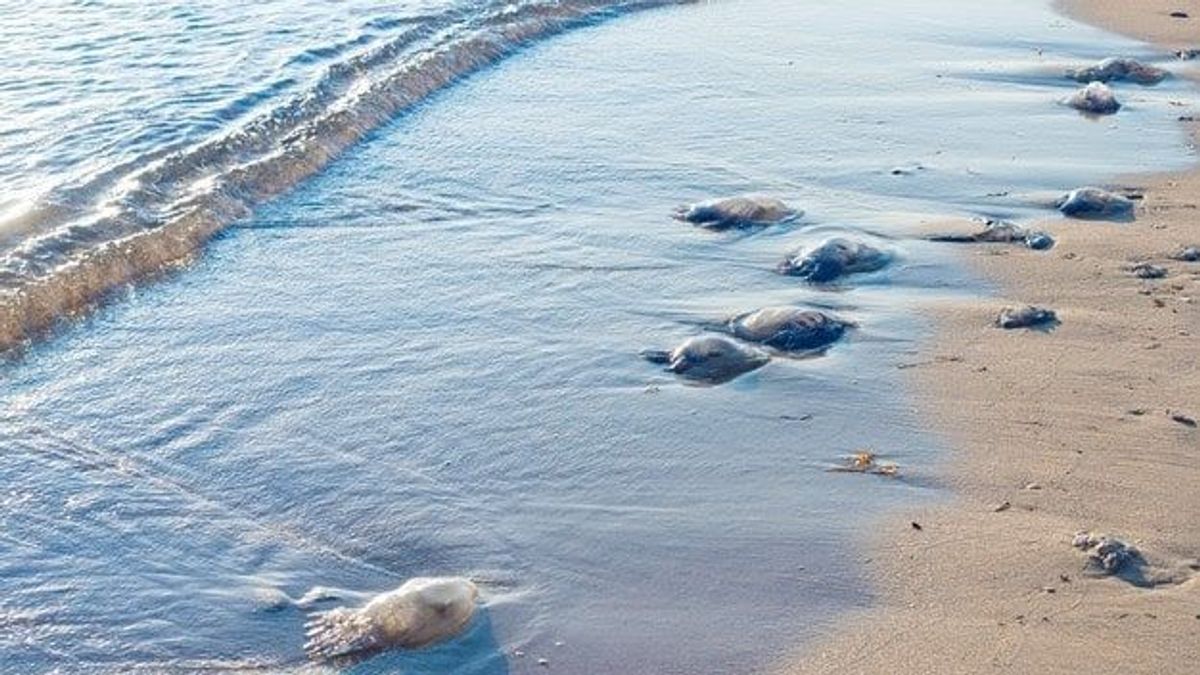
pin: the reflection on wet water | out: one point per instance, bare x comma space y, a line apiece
424, 360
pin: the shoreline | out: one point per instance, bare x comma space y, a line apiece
1053, 434
65, 262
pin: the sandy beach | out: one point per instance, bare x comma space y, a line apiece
1086, 428
546, 336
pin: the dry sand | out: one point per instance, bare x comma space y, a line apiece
1148, 20
1084, 414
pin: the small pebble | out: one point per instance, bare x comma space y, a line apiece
1003, 507
544, 662
1033, 486
1179, 15
917, 526
519, 653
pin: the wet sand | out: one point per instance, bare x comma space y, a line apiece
1054, 433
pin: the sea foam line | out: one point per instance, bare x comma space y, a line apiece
67, 261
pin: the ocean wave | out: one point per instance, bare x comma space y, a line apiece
63, 255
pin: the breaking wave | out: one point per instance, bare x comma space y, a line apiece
62, 256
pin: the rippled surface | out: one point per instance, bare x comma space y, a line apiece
62, 254
90, 86
423, 360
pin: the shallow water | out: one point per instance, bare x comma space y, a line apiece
423, 360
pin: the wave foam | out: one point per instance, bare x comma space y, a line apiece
64, 255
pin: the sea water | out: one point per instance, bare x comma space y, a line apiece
419, 354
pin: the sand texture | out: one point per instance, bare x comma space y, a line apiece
1086, 427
